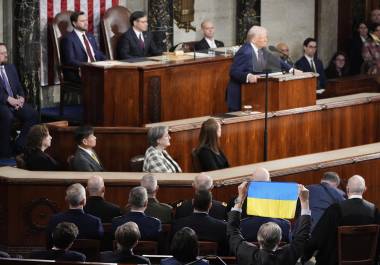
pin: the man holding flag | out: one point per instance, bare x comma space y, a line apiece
269, 235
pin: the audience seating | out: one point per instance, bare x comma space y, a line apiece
106, 243
60, 26
208, 248
357, 244
144, 247
20, 162
136, 163
89, 247
44, 262
195, 160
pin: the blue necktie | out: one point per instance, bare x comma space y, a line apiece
5, 81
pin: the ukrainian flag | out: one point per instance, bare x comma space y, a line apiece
272, 199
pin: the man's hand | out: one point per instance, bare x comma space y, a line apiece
243, 190
303, 194
252, 78
14, 102
21, 100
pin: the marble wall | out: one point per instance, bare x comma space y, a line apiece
1, 21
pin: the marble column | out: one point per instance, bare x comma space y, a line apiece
160, 13
27, 46
247, 15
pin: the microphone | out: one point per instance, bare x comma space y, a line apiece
172, 49
274, 49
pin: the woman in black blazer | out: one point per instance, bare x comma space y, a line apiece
209, 154
35, 157
356, 47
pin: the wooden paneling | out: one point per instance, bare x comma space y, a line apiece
332, 124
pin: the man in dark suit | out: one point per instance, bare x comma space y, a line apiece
96, 204
186, 208
12, 105
252, 59
323, 195
85, 158
354, 211
137, 41
161, 211
310, 62
78, 47
90, 227
208, 40
207, 228
269, 235
63, 238
127, 237
149, 227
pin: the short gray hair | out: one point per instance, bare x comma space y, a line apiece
260, 174
331, 177
269, 235
127, 235
149, 182
356, 185
203, 181
254, 31
95, 185
75, 194
138, 197
156, 133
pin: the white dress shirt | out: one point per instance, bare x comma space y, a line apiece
211, 43
80, 36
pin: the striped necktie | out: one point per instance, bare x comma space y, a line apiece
5, 81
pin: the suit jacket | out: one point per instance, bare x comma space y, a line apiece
248, 254
74, 54
245, 62
128, 45
174, 261
209, 160
356, 58
323, 238
203, 45
59, 255
206, 227
185, 208
14, 81
150, 227
82, 161
35, 159
89, 226
101, 208
304, 65
321, 197
123, 257
161, 211
250, 226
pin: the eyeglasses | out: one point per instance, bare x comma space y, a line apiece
312, 47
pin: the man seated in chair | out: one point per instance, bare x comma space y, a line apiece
137, 41
208, 40
85, 158
12, 105
78, 47
63, 238
354, 211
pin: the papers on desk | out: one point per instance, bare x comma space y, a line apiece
274, 74
107, 64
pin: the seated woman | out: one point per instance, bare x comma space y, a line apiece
156, 159
35, 157
209, 154
338, 66
184, 248
371, 51
360, 36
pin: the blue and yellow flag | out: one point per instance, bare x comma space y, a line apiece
272, 199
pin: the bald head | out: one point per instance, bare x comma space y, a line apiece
375, 16
208, 29
258, 36
95, 186
283, 47
356, 185
203, 181
260, 174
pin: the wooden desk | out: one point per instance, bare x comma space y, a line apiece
331, 124
122, 94
27, 199
284, 92
350, 85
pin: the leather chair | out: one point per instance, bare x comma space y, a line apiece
195, 160
208, 248
61, 25
89, 247
357, 244
144, 247
136, 163
185, 46
115, 22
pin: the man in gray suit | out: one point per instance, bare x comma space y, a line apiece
85, 158
155, 208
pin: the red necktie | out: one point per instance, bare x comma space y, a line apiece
141, 42
88, 49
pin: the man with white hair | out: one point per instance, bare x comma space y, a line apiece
201, 182
96, 204
251, 60
155, 208
354, 211
89, 226
208, 40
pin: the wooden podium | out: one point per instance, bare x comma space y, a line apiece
285, 91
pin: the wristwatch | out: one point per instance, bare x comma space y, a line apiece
238, 200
